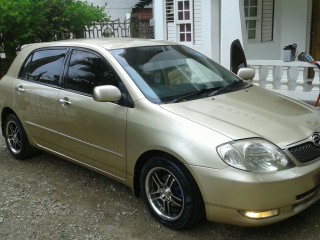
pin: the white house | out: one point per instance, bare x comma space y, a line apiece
264, 27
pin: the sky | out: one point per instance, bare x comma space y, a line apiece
116, 8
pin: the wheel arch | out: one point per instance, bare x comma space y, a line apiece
198, 207
145, 157
5, 112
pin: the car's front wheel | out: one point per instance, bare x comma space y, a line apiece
16, 138
171, 193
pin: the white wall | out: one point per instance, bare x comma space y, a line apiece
211, 29
209, 32
230, 28
290, 26
294, 21
159, 20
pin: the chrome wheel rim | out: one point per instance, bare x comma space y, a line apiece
13, 136
164, 193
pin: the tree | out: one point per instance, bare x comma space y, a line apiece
143, 3
27, 21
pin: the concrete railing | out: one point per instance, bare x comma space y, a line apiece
288, 78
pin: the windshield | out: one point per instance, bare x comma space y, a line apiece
168, 74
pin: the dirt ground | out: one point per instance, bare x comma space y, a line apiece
49, 198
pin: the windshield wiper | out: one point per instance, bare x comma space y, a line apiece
188, 95
222, 89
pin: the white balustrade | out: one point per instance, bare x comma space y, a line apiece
288, 78
285, 78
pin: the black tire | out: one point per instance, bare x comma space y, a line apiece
16, 138
171, 193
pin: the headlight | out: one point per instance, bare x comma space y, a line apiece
254, 155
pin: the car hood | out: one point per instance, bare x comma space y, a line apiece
252, 112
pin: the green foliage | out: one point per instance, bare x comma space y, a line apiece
26, 21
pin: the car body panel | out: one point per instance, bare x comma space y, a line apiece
98, 138
37, 104
252, 112
292, 191
117, 140
151, 128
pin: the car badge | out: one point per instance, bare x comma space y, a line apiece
316, 139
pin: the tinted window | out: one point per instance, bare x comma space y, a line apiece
44, 66
24, 73
87, 70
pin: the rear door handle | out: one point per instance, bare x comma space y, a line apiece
20, 89
64, 101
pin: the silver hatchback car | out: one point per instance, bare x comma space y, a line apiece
190, 137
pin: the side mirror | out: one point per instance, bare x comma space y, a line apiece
246, 73
106, 93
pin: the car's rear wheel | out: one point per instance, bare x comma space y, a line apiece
171, 193
16, 138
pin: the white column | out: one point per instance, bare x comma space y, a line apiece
284, 78
211, 29
159, 16
316, 80
256, 78
301, 78
270, 77
231, 28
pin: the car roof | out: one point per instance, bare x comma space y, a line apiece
107, 43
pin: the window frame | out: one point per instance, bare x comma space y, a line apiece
67, 64
264, 21
184, 22
258, 20
30, 57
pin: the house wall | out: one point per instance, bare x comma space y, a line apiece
231, 28
206, 24
207, 28
221, 24
291, 24
159, 20
211, 28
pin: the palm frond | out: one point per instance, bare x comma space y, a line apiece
143, 3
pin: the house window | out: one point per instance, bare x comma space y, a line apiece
179, 19
183, 10
185, 32
259, 16
251, 11
184, 20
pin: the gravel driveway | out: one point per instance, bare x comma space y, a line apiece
49, 198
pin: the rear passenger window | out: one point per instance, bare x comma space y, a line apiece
87, 70
44, 66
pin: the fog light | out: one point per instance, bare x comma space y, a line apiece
259, 215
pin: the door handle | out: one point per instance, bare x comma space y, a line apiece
20, 89
64, 101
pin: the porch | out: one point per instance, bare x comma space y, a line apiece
287, 78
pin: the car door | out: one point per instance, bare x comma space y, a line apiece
36, 93
92, 132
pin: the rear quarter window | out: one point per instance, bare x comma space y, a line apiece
44, 66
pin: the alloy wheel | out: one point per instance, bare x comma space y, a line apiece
164, 193
13, 136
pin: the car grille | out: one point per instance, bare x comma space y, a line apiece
305, 152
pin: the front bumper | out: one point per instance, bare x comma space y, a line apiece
227, 192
